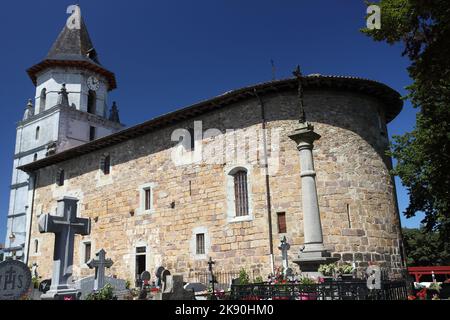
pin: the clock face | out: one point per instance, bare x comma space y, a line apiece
93, 83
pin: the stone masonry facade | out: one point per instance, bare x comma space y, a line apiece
356, 193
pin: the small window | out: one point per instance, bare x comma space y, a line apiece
35, 157
241, 193
60, 177
105, 164
92, 133
147, 199
200, 243
36, 246
38, 131
42, 100
281, 217
92, 101
87, 252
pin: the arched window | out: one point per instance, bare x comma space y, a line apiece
241, 193
43, 100
36, 246
38, 129
92, 101
35, 157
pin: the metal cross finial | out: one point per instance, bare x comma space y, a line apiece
298, 74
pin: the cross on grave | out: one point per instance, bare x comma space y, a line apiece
65, 225
284, 247
210, 267
99, 264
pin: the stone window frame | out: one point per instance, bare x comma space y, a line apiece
82, 253
193, 243
142, 189
230, 199
140, 244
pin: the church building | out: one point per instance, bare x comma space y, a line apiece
225, 178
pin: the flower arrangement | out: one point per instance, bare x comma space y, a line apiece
330, 270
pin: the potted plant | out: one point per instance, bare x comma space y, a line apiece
346, 271
433, 291
328, 271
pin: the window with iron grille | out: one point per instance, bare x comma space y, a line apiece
200, 243
281, 217
241, 193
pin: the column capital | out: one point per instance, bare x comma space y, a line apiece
305, 135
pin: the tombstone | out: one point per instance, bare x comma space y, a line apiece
65, 225
86, 286
99, 264
15, 279
158, 273
174, 289
284, 247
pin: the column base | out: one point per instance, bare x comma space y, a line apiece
309, 260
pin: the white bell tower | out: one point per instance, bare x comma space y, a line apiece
70, 109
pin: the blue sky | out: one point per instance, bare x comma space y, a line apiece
169, 54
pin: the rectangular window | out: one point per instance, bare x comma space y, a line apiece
147, 199
92, 132
281, 217
87, 251
60, 177
200, 243
107, 165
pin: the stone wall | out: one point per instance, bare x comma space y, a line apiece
356, 193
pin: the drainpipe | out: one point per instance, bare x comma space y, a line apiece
267, 178
33, 176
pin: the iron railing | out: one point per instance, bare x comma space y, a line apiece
335, 290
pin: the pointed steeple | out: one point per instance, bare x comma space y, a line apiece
73, 48
74, 42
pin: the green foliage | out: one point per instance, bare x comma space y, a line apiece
107, 293
435, 286
244, 278
128, 284
423, 155
333, 268
425, 248
307, 281
259, 279
35, 282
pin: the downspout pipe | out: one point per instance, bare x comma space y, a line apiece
267, 181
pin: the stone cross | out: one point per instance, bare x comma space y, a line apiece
99, 264
65, 225
284, 247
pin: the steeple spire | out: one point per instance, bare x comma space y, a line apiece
73, 48
74, 42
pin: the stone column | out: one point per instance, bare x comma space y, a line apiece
314, 252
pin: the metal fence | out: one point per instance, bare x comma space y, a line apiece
222, 279
336, 290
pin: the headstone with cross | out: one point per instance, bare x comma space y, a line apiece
284, 247
212, 280
65, 225
99, 263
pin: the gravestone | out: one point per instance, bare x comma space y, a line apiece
99, 263
15, 279
65, 225
86, 286
173, 289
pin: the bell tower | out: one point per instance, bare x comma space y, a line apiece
70, 108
